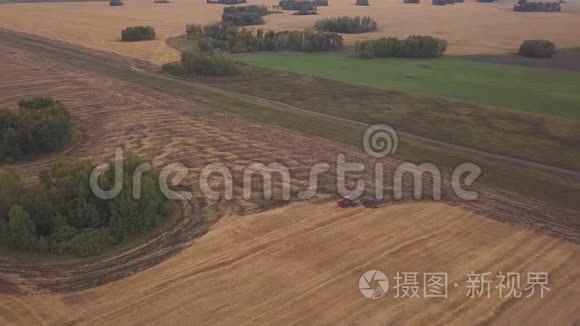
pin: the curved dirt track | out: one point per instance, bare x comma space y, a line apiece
301, 264
17, 276
167, 129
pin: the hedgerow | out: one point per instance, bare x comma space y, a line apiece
415, 46
227, 38
525, 6
348, 25
244, 15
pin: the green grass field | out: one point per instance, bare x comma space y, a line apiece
516, 88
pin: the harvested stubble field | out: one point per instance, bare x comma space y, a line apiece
301, 265
97, 25
275, 265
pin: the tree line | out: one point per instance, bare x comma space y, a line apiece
211, 41
40, 125
415, 46
227, 38
525, 6
302, 7
347, 25
244, 15
196, 63
61, 215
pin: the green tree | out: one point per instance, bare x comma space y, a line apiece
41, 125
91, 242
61, 215
22, 231
10, 190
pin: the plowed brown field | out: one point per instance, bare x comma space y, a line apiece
471, 28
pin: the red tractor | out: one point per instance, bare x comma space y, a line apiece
346, 202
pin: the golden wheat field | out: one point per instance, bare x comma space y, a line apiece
470, 28
301, 265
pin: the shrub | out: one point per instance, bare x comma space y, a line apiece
411, 1
322, 3
525, 6
90, 242
41, 125
116, 3
21, 229
173, 68
537, 49
439, 2
138, 33
207, 64
193, 29
349, 25
414, 46
37, 103
362, 2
